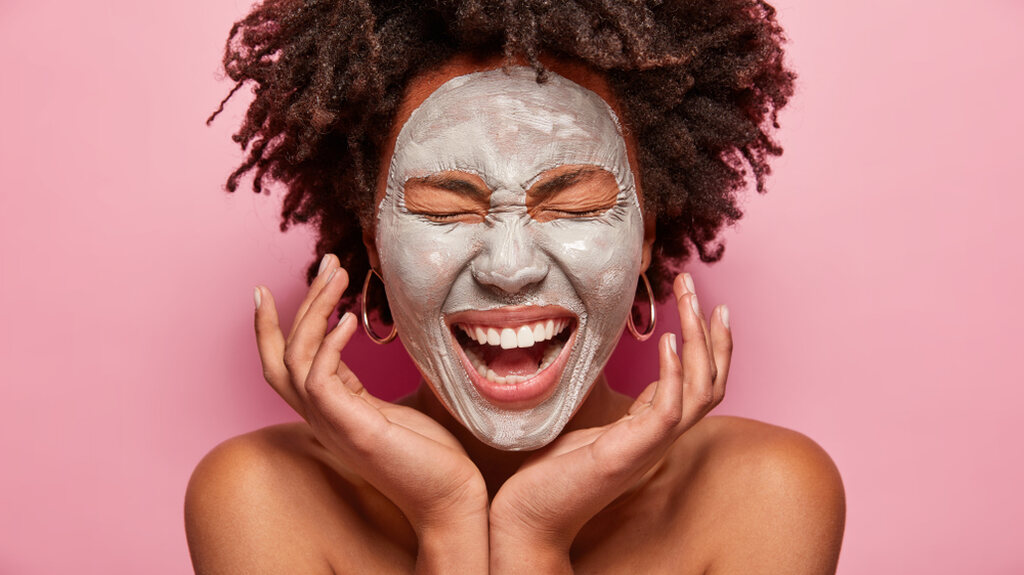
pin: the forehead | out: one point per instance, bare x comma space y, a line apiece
506, 127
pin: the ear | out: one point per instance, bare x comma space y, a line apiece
370, 241
648, 246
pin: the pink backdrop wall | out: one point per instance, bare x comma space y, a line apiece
876, 290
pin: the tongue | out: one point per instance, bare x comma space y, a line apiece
516, 361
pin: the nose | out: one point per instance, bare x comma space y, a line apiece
509, 261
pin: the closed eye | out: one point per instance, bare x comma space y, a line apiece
448, 197
578, 213
450, 217
569, 192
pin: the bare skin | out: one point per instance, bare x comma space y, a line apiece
758, 499
728, 496
645, 485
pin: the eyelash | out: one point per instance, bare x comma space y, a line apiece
453, 216
580, 214
449, 218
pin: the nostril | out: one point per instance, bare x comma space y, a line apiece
510, 260
510, 281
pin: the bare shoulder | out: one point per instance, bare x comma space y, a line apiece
775, 495
273, 501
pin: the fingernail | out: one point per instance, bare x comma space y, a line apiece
672, 342
323, 263
347, 316
694, 304
724, 315
334, 272
689, 283
256, 296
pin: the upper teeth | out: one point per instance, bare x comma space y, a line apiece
521, 336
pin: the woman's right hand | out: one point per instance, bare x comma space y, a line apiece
406, 455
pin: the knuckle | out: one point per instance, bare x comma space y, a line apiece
316, 389
670, 417
268, 375
292, 359
705, 396
719, 396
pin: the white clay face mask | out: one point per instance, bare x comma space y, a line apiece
510, 311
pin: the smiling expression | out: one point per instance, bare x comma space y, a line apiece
510, 239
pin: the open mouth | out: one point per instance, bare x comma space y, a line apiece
510, 360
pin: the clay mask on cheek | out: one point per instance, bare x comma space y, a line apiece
510, 319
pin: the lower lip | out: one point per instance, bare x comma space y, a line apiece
523, 395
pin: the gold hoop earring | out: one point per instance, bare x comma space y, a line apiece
366, 316
654, 318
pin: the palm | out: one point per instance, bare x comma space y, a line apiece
405, 454
603, 459
411, 459
417, 422
564, 485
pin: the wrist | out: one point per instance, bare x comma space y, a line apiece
518, 548
457, 545
465, 504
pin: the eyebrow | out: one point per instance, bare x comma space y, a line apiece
562, 181
454, 183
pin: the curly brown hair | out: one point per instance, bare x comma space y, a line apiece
700, 83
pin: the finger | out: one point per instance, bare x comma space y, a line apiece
645, 397
668, 398
697, 377
327, 265
327, 360
648, 429
721, 343
270, 343
683, 285
337, 392
310, 332
349, 379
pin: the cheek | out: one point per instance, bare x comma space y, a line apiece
601, 261
420, 261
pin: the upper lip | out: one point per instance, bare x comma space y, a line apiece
509, 316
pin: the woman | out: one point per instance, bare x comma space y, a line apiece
510, 175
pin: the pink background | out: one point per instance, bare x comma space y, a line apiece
875, 291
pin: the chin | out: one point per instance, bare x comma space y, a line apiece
518, 374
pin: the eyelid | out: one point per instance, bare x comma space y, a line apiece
446, 200
585, 192
568, 214
451, 217
453, 184
556, 185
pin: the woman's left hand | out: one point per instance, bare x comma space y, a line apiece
545, 504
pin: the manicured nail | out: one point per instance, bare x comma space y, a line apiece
724, 315
694, 304
672, 342
334, 272
323, 263
689, 283
347, 316
256, 296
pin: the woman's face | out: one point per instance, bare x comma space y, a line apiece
510, 240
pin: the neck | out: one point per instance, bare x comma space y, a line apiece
602, 406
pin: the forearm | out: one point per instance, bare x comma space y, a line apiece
458, 546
